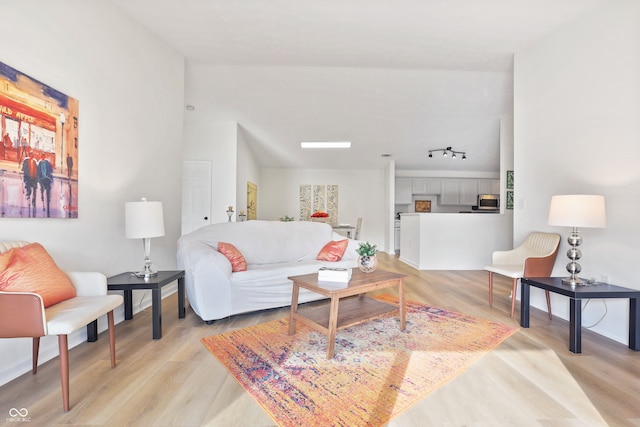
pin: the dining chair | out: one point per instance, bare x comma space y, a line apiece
533, 258
356, 234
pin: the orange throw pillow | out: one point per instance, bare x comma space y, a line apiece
333, 250
238, 263
31, 269
5, 257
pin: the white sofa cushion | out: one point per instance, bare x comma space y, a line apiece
268, 242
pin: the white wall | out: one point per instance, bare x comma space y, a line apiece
130, 90
248, 171
577, 130
361, 193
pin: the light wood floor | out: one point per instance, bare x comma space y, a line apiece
531, 379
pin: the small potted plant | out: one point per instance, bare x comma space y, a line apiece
367, 261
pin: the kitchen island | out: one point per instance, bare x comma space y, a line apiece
453, 241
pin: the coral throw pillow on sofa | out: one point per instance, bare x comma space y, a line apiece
31, 269
238, 263
333, 250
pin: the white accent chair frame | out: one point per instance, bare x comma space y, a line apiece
535, 257
23, 315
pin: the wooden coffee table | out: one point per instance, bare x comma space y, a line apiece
343, 312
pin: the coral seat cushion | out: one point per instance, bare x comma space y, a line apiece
238, 263
333, 250
31, 269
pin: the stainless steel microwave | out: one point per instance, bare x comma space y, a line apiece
488, 201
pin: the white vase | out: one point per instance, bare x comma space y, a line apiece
367, 263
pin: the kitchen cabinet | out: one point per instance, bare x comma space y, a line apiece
419, 186
495, 186
396, 239
434, 186
468, 192
488, 186
426, 186
403, 191
450, 192
459, 192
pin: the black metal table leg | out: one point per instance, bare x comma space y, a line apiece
92, 331
575, 325
525, 293
128, 304
181, 298
634, 324
156, 308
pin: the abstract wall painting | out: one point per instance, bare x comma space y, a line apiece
252, 201
38, 150
305, 202
319, 198
332, 204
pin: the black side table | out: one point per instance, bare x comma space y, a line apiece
129, 282
576, 294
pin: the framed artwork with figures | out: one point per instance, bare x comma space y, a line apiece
39, 149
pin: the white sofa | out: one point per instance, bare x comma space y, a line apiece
274, 250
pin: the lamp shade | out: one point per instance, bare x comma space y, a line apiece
578, 210
143, 219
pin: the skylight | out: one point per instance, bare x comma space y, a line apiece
326, 144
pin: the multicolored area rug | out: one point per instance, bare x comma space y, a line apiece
377, 372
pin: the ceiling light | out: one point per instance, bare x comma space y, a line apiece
326, 144
447, 151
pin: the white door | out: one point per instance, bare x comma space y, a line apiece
196, 195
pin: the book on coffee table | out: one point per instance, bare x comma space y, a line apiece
327, 274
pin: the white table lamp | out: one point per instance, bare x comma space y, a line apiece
144, 220
576, 210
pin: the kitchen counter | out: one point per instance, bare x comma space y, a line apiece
453, 241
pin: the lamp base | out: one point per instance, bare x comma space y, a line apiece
573, 281
145, 275
149, 270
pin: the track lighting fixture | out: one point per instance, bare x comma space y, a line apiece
447, 151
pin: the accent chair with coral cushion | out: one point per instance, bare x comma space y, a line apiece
533, 258
38, 299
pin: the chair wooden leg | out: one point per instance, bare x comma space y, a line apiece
549, 305
513, 296
491, 289
34, 355
64, 370
112, 338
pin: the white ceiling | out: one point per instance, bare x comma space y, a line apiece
461, 35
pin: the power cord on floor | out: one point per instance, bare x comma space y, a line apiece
142, 299
601, 318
